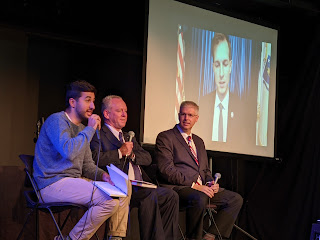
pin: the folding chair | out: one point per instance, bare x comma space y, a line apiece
32, 197
211, 209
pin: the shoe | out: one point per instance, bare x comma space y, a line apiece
59, 238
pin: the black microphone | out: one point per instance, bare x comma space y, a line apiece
131, 135
217, 176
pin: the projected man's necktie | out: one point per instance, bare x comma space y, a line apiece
136, 170
192, 150
220, 129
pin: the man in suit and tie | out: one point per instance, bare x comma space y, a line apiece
222, 106
183, 165
158, 208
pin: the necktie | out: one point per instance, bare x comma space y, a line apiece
220, 130
136, 170
192, 150
121, 137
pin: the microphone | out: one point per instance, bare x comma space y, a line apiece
217, 176
131, 135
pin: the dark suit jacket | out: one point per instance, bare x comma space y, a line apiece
175, 161
109, 151
206, 112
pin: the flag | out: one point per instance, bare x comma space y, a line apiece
180, 97
266, 72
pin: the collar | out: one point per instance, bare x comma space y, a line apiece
68, 116
184, 135
114, 131
224, 102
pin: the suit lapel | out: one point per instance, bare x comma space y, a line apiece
112, 139
197, 143
184, 143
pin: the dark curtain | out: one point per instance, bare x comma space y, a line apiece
285, 200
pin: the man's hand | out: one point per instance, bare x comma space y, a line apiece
126, 148
205, 189
94, 121
215, 187
106, 178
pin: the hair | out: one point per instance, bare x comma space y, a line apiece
189, 103
218, 38
74, 90
106, 102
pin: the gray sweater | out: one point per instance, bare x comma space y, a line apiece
63, 150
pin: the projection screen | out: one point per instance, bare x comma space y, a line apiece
180, 66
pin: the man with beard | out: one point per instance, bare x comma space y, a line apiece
64, 169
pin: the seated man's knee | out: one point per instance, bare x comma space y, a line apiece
199, 199
236, 200
111, 206
172, 195
239, 199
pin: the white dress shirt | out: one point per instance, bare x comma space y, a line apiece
216, 116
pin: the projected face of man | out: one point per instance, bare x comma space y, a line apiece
222, 68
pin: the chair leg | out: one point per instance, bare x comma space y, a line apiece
65, 220
244, 232
209, 211
96, 235
55, 222
37, 224
211, 218
25, 223
182, 235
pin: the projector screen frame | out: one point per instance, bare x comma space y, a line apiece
220, 10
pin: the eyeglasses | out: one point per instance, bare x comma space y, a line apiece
187, 114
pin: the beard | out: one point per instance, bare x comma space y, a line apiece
83, 114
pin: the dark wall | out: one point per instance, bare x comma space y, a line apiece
105, 45
118, 69
57, 62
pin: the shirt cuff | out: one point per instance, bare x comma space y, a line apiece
120, 154
133, 157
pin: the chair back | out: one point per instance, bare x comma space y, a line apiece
29, 181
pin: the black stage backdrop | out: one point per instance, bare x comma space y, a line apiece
281, 199
285, 200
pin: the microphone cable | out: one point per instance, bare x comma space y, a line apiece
93, 185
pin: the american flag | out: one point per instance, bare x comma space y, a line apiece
180, 97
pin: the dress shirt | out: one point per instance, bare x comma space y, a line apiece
216, 115
185, 136
115, 132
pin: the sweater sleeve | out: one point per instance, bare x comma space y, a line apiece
67, 142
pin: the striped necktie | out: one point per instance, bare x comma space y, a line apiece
192, 150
